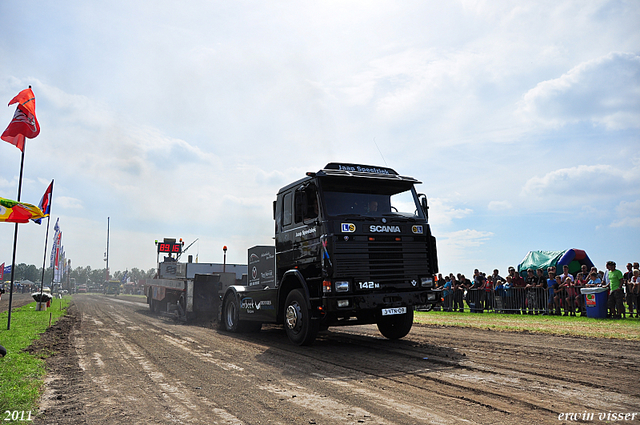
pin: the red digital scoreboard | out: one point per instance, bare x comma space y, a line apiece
170, 247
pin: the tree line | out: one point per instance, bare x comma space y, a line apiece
82, 275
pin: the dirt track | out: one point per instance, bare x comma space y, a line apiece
18, 301
123, 365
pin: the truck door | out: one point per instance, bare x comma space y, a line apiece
306, 234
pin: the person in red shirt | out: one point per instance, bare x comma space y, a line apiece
570, 290
559, 295
581, 282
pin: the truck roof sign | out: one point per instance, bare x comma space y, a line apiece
339, 169
359, 168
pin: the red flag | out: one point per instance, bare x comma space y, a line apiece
2, 272
26, 101
24, 122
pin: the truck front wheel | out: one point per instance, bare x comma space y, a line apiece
298, 325
396, 326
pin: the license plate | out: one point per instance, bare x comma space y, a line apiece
392, 311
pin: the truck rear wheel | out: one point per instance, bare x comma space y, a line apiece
231, 314
231, 318
396, 326
298, 325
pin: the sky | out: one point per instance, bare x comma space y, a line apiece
163, 119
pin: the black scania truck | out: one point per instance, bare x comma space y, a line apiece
352, 246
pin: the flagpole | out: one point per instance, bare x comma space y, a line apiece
15, 237
53, 267
48, 195
44, 260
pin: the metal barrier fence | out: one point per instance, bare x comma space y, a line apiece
515, 300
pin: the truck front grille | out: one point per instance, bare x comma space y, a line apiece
385, 260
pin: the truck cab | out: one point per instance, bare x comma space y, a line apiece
352, 246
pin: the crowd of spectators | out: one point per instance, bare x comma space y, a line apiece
19, 288
547, 292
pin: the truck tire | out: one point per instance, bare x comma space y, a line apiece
231, 314
231, 321
396, 326
298, 325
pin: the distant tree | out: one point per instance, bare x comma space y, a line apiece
48, 275
82, 274
19, 272
136, 274
31, 273
98, 276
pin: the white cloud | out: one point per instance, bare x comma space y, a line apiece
499, 205
441, 212
458, 250
185, 122
466, 238
68, 202
629, 214
604, 91
583, 183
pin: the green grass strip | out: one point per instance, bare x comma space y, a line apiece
628, 329
22, 374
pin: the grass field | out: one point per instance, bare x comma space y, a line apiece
556, 325
22, 374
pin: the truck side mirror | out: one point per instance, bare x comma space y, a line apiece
423, 204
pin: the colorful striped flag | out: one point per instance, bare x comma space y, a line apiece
18, 212
45, 203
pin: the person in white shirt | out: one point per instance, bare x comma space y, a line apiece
565, 273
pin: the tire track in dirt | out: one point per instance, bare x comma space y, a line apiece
127, 377
558, 388
141, 368
312, 398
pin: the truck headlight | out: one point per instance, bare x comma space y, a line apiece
342, 286
426, 282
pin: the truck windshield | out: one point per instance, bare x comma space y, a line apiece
371, 199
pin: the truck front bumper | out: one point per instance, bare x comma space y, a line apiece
354, 303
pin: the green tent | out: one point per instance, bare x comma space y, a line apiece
574, 258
